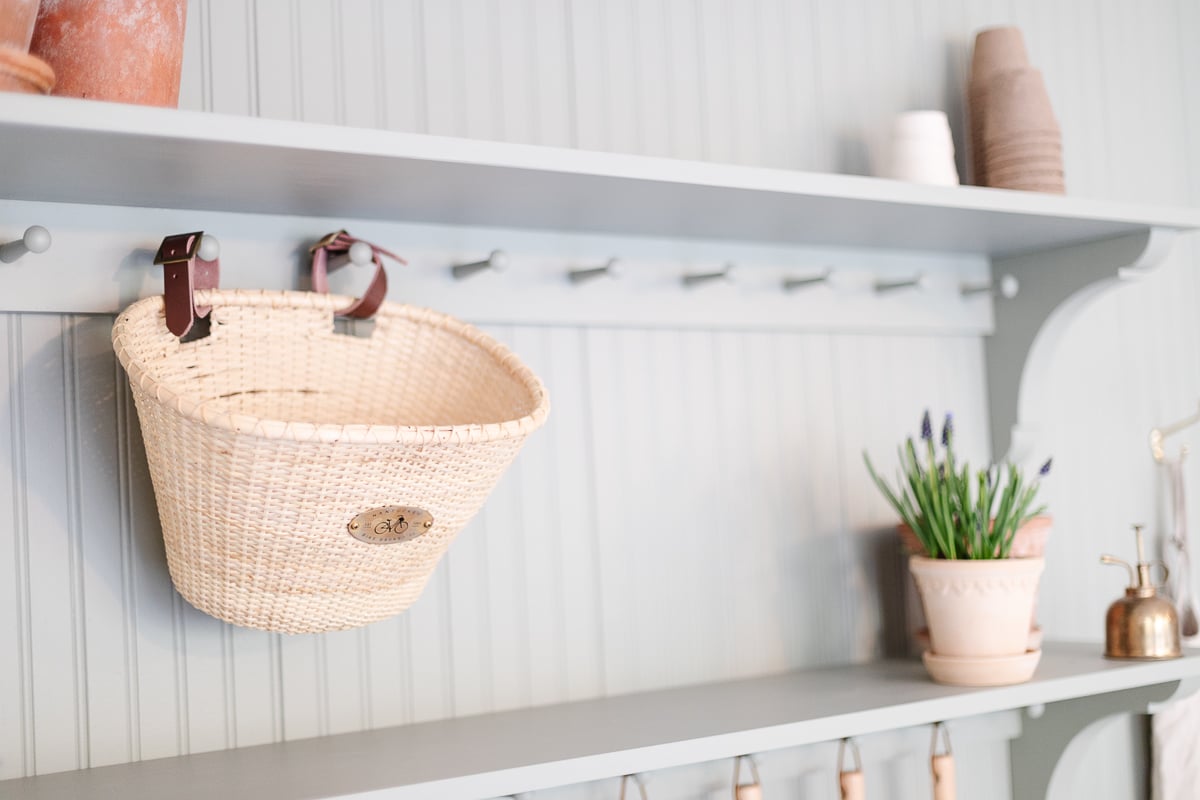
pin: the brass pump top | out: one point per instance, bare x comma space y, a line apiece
1140, 584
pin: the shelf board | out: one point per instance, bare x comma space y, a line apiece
517, 751
77, 151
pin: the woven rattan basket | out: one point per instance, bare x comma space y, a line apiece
269, 438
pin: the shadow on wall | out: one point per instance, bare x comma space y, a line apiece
851, 598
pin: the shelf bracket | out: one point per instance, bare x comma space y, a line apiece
1056, 286
1055, 744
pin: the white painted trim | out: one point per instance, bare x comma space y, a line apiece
530, 749
65, 150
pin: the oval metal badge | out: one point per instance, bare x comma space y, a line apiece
390, 524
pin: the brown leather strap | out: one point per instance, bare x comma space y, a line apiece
338, 244
183, 273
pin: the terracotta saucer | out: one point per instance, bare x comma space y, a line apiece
986, 671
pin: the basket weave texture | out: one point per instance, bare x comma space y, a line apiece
267, 437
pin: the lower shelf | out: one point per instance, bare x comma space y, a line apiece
518, 751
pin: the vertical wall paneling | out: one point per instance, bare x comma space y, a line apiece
156, 634
588, 62
358, 71
482, 101
578, 522
545, 617
514, 58
277, 73
445, 64
696, 507
344, 692
232, 35
16, 677
100, 632
401, 47
194, 81
553, 63
46, 357
316, 58
713, 76
681, 56
430, 650
619, 463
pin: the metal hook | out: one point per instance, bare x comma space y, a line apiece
612, 268
35, 240
1007, 287
842, 755
933, 745
790, 284
749, 791
1159, 435
496, 261
696, 279
891, 286
637, 779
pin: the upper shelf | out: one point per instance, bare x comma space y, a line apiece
77, 151
517, 751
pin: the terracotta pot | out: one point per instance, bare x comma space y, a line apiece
21, 72
127, 51
16, 23
997, 50
1029, 541
978, 607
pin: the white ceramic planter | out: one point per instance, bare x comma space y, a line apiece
978, 608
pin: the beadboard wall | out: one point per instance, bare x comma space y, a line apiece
696, 508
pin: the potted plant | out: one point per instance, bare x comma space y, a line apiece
978, 598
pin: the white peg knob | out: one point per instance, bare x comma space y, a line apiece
1009, 287
35, 240
361, 254
498, 261
209, 249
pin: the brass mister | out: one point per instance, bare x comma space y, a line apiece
1141, 625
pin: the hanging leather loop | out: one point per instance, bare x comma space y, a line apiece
747, 791
942, 766
637, 779
851, 783
183, 273
339, 244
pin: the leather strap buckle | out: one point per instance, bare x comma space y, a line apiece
184, 271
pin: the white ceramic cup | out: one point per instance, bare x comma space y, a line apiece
921, 149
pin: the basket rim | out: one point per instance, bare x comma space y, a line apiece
194, 408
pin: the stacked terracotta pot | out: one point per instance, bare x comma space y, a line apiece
1015, 137
126, 51
19, 71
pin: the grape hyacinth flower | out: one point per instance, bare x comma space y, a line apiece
954, 511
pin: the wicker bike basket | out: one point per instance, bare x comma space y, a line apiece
287, 459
